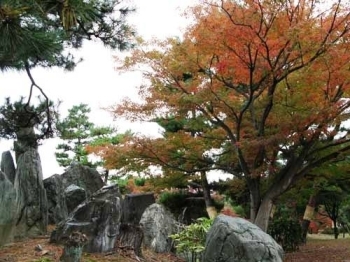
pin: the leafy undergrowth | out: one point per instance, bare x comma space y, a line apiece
326, 250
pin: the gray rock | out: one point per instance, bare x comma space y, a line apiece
31, 201
233, 239
8, 166
84, 177
7, 209
57, 207
158, 224
134, 205
98, 218
26, 140
74, 195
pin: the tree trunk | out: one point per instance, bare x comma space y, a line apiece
308, 216
335, 229
106, 176
254, 192
263, 216
209, 203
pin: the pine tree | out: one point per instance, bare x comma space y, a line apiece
38, 33
27, 124
77, 132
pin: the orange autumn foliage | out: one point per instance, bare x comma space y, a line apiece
262, 88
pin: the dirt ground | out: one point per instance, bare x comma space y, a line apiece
322, 249
316, 250
25, 251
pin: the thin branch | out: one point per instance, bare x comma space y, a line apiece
48, 130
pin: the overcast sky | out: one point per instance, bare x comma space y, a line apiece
95, 81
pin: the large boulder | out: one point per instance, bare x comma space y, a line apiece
57, 207
74, 195
84, 177
31, 201
158, 224
233, 239
8, 166
98, 218
134, 205
7, 209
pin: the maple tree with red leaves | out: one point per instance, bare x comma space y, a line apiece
256, 88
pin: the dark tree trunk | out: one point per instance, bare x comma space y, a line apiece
209, 203
106, 176
255, 198
335, 229
308, 216
130, 238
73, 247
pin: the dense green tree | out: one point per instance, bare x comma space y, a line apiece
77, 132
331, 198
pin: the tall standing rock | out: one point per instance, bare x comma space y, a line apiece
8, 166
7, 209
134, 205
56, 201
98, 218
31, 198
158, 224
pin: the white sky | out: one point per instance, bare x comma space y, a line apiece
94, 81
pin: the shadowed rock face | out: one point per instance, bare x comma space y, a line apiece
8, 166
7, 209
31, 198
233, 239
158, 224
65, 192
98, 218
74, 195
57, 207
134, 205
84, 177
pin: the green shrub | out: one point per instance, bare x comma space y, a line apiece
239, 210
174, 201
140, 181
286, 230
190, 242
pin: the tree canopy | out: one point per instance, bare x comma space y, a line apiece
264, 83
77, 132
38, 33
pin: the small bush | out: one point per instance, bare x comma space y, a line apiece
287, 231
190, 242
239, 210
140, 181
122, 184
174, 201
